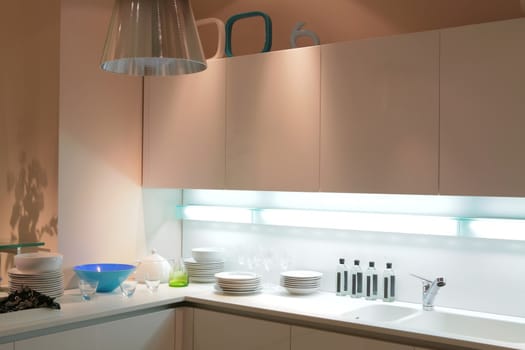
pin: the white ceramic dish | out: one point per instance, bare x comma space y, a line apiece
202, 279
304, 286
38, 262
302, 274
193, 262
237, 275
207, 254
301, 291
232, 287
42, 275
219, 290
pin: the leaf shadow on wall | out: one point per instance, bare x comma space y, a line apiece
28, 188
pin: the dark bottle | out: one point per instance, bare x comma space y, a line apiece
371, 279
356, 285
389, 283
341, 287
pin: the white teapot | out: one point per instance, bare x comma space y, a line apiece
153, 264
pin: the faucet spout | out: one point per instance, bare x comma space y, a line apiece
430, 290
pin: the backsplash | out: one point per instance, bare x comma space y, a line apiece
479, 272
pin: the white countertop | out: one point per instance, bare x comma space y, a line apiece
323, 310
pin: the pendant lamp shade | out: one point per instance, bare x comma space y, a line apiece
153, 37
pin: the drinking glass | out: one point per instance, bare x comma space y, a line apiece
128, 286
178, 273
152, 280
87, 289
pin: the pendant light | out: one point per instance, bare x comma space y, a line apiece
153, 37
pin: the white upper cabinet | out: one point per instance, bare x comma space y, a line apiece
272, 128
483, 109
184, 129
380, 116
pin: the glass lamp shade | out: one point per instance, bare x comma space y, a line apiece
153, 37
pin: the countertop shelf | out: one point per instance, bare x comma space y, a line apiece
19, 245
322, 310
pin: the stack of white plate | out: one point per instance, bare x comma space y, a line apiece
238, 283
50, 283
203, 271
301, 282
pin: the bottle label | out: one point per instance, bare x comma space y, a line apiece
359, 282
374, 285
368, 286
345, 286
385, 288
338, 288
354, 284
393, 286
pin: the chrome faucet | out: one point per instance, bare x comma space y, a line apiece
430, 290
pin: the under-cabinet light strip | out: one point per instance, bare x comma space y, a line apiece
504, 229
395, 223
509, 229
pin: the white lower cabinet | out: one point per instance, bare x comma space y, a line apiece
7, 346
151, 331
79, 339
220, 331
313, 339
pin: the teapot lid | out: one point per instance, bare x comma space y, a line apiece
154, 257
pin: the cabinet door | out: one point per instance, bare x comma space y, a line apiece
184, 129
379, 115
272, 128
312, 339
184, 328
78, 339
7, 346
220, 331
153, 331
483, 109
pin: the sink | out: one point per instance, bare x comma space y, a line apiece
464, 325
380, 313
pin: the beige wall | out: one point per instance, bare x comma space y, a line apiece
342, 20
100, 136
29, 46
99, 194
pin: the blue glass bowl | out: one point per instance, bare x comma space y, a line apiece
109, 276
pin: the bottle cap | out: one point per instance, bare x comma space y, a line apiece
356, 262
371, 264
341, 260
388, 265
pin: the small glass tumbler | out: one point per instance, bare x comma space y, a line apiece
87, 289
127, 287
152, 280
178, 273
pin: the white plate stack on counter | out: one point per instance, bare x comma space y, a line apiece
39, 271
301, 281
204, 264
238, 283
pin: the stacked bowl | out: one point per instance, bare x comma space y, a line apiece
301, 281
39, 271
238, 283
204, 264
